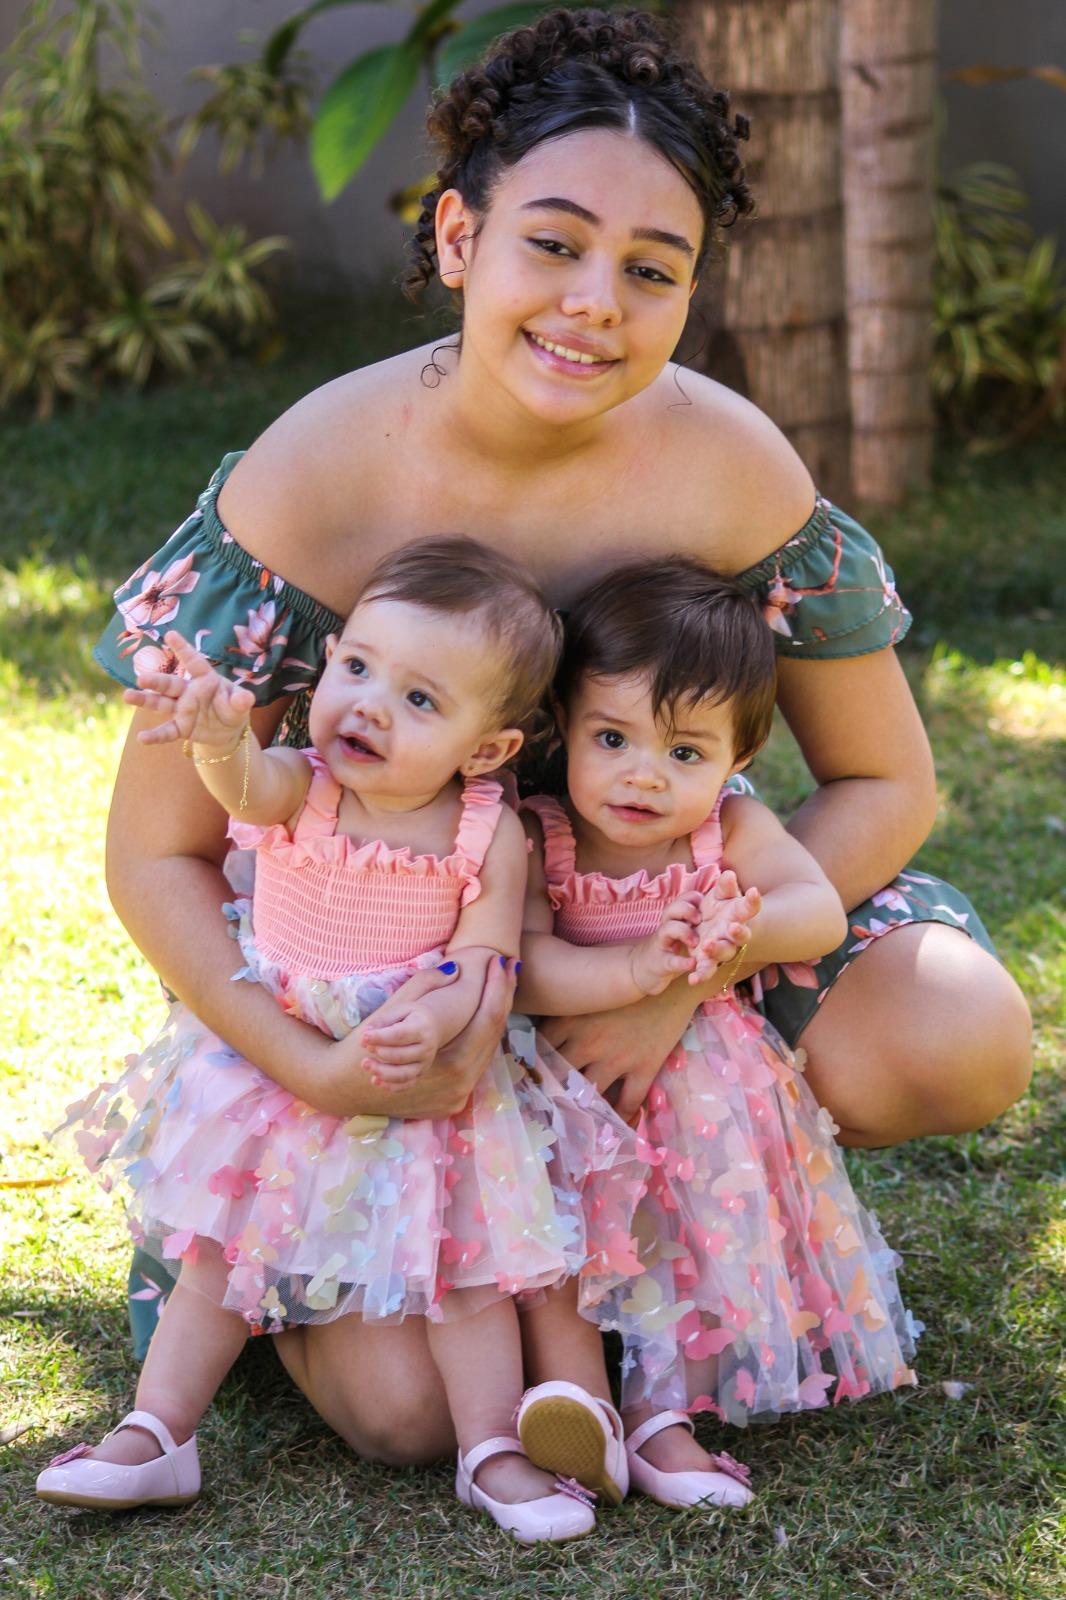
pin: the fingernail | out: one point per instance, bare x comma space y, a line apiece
518, 966
503, 961
447, 966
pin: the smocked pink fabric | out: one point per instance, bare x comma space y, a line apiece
593, 909
327, 905
761, 1285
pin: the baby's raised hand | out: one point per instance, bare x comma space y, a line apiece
203, 705
400, 1048
657, 960
724, 924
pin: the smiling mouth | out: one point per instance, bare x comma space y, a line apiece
570, 358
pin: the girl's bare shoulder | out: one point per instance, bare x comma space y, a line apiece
321, 467
736, 478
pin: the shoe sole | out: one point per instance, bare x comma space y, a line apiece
560, 1436
56, 1497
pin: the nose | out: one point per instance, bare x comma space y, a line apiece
373, 704
645, 775
593, 294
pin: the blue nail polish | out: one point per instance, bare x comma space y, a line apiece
503, 961
448, 967
518, 966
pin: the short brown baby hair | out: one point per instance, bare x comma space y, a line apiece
693, 634
455, 575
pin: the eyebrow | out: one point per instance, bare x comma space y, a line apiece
674, 241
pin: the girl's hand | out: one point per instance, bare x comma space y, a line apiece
725, 918
620, 1052
203, 705
400, 1047
671, 950
444, 1090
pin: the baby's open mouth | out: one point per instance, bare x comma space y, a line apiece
359, 749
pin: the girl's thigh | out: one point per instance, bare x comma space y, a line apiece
924, 1033
376, 1387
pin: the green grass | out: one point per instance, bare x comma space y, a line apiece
916, 1496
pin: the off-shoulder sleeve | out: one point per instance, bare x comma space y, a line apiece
253, 626
829, 592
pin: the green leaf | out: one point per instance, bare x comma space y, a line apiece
357, 109
462, 49
431, 19
282, 39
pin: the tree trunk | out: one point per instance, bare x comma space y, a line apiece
777, 306
888, 62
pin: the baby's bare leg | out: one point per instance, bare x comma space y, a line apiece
480, 1361
558, 1343
191, 1351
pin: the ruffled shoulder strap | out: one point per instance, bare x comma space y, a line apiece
253, 626
318, 819
706, 841
482, 804
560, 851
828, 593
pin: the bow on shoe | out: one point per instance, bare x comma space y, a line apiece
71, 1455
576, 1491
732, 1469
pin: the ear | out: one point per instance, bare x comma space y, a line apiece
693, 286
559, 714
331, 644
455, 224
493, 752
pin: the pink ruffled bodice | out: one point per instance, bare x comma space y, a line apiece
326, 906
593, 909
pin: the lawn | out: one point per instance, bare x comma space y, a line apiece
925, 1496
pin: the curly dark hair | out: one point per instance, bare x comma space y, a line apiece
574, 70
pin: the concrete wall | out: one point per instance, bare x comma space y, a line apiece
1023, 124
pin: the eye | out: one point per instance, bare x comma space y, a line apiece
551, 247
421, 700
652, 275
356, 666
611, 739
686, 754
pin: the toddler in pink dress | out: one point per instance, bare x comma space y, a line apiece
763, 1286
382, 853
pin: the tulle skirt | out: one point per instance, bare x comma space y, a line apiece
535, 1181
766, 1287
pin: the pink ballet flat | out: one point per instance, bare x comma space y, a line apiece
726, 1487
567, 1430
555, 1517
172, 1479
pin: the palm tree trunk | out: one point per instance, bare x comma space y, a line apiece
777, 307
887, 80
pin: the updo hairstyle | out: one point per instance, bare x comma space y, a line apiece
568, 72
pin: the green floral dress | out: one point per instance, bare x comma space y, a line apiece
828, 594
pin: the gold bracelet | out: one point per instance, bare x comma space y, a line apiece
216, 761
734, 964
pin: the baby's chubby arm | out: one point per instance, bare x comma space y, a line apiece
800, 915
401, 1042
560, 979
260, 786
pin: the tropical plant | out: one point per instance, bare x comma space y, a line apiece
268, 97
86, 286
999, 310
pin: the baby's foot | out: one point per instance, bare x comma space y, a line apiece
675, 1450
129, 1447
512, 1480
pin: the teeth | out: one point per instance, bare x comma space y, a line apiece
580, 356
